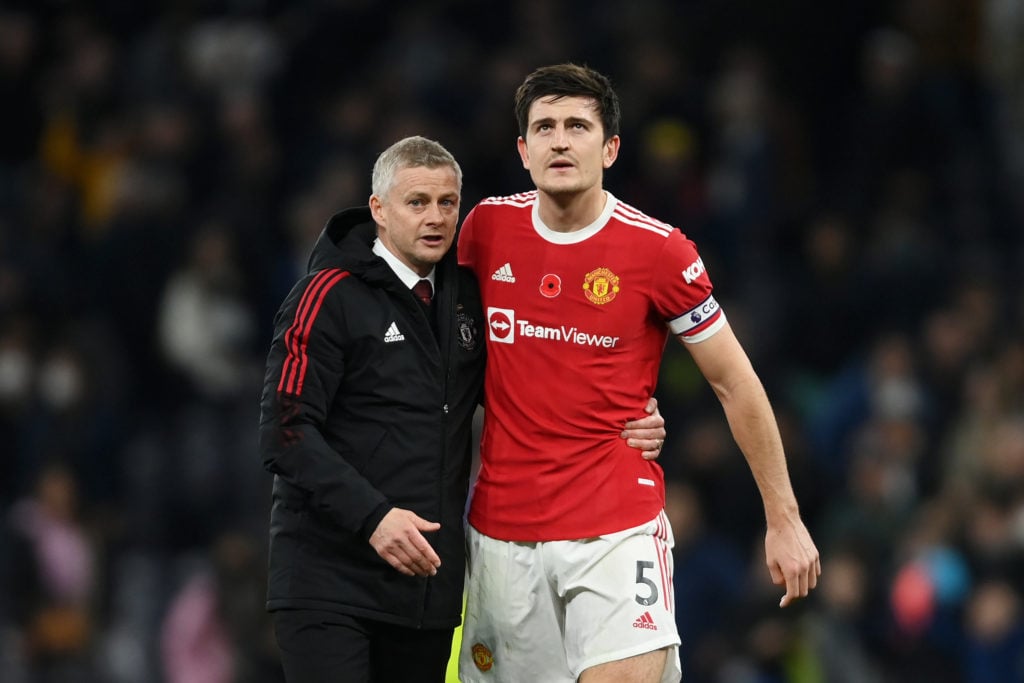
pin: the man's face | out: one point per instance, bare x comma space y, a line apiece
564, 148
416, 220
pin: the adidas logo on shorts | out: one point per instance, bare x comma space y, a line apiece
504, 274
645, 621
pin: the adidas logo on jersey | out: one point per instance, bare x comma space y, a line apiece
393, 335
504, 274
645, 621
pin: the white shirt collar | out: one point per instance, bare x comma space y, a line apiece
576, 236
406, 274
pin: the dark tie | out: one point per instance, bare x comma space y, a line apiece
424, 291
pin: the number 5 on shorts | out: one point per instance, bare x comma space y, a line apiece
652, 597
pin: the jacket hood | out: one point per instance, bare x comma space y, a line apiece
347, 243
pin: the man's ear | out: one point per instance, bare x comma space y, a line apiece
524, 154
611, 150
377, 210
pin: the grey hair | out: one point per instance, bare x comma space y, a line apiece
410, 152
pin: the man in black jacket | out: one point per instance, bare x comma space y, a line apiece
366, 423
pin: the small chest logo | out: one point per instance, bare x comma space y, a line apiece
393, 335
551, 285
467, 331
504, 274
601, 285
482, 657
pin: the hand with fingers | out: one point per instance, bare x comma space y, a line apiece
793, 560
647, 433
399, 540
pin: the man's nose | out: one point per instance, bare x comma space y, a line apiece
560, 140
434, 213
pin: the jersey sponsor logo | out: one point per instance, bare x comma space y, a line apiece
693, 271
645, 621
482, 657
569, 335
504, 274
551, 285
500, 322
393, 335
504, 328
600, 286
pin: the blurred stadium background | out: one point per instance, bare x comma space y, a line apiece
852, 171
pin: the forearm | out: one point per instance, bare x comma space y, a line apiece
789, 550
756, 432
727, 368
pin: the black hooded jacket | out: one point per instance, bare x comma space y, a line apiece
363, 409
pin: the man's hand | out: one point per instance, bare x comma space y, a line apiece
792, 559
647, 433
399, 540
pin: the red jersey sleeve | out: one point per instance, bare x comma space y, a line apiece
467, 243
682, 291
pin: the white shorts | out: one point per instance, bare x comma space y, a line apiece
548, 611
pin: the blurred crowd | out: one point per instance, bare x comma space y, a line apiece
852, 173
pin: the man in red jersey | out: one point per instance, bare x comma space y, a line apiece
570, 570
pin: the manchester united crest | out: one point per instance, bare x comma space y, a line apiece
482, 657
467, 330
601, 285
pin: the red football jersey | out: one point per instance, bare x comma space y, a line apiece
577, 326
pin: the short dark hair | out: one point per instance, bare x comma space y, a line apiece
569, 80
